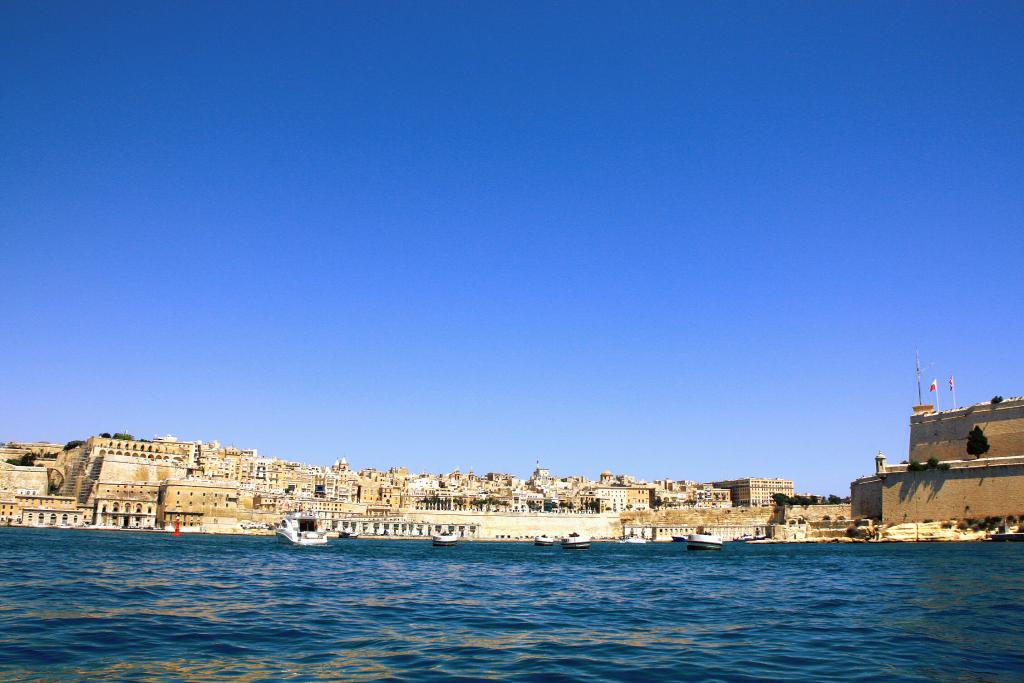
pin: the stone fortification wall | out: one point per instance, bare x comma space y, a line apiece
971, 490
866, 497
15, 478
729, 523
944, 435
813, 513
523, 525
118, 468
701, 517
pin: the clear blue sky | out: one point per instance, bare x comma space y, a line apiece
675, 239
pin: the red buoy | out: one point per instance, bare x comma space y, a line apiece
177, 526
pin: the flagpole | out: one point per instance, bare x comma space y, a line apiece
938, 403
952, 387
917, 356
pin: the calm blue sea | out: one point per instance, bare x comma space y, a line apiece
117, 606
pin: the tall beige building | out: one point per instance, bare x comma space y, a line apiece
755, 491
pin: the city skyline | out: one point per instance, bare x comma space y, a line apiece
702, 240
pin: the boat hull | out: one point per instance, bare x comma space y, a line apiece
703, 542
444, 541
283, 537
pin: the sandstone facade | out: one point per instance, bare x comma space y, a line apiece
944, 435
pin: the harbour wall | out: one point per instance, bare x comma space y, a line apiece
496, 525
729, 523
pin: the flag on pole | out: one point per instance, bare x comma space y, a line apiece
935, 386
952, 386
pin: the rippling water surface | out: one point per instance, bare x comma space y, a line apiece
119, 606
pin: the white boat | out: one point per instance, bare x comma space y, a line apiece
747, 537
633, 539
575, 542
348, 534
703, 542
543, 540
301, 528
445, 540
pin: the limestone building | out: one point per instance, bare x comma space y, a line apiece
755, 491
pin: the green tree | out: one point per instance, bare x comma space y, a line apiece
997, 399
780, 498
72, 444
977, 442
124, 436
27, 460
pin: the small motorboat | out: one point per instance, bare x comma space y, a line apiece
633, 540
301, 528
1006, 536
445, 540
679, 539
543, 540
348, 534
703, 542
745, 538
575, 542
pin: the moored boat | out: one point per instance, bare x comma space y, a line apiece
348, 534
445, 540
703, 542
574, 541
633, 540
679, 539
301, 528
543, 540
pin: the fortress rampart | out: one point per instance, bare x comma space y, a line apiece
973, 489
944, 435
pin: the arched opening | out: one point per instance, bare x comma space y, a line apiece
53, 518
64, 520
138, 509
114, 508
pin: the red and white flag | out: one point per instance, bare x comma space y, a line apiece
934, 386
951, 385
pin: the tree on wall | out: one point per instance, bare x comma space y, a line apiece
977, 442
